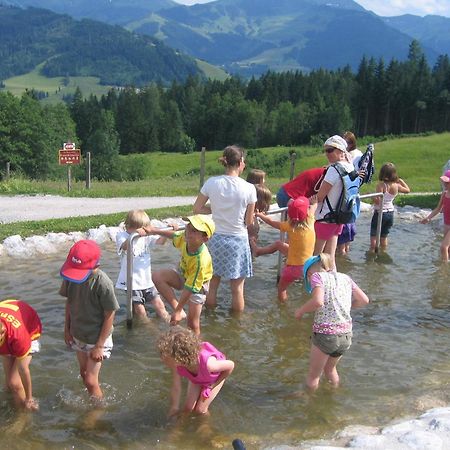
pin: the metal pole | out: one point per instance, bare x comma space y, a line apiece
380, 216
88, 170
202, 166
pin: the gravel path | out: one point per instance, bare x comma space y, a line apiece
21, 208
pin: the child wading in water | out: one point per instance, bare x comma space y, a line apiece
391, 185
301, 236
194, 272
201, 363
333, 296
444, 207
143, 288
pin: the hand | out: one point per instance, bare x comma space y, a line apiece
298, 314
68, 338
176, 317
31, 404
96, 354
426, 220
173, 412
312, 199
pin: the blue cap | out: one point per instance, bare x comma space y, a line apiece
308, 263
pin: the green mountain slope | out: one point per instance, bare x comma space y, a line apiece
85, 48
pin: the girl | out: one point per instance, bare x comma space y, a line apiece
443, 206
263, 202
256, 176
301, 236
201, 363
232, 205
391, 185
333, 295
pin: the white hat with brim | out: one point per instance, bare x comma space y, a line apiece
336, 141
308, 263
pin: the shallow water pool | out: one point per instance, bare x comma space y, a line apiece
398, 363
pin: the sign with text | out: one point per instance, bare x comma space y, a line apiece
67, 156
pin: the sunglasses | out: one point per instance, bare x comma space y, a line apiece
330, 150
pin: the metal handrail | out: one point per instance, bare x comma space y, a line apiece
283, 211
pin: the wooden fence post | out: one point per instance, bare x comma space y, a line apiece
202, 166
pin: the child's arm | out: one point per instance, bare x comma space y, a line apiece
200, 206
68, 338
436, 210
379, 188
403, 187
175, 393
108, 320
313, 304
359, 297
224, 366
150, 230
267, 219
23, 366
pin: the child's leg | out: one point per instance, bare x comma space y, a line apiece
12, 379
193, 316
203, 403
317, 363
89, 371
192, 396
139, 310
282, 290
445, 245
237, 294
373, 243
211, 297
160, 308
166, 280
277, 246
384, 242
330, 370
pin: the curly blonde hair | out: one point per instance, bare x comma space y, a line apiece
181, 344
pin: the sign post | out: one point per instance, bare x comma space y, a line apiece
69, 155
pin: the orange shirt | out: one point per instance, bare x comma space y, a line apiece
22, 326
301, 242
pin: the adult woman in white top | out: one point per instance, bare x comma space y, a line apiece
232, 205
327, 234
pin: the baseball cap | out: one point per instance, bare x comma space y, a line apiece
308, 263
446, 177
336, 141
202, 222
298, 209
82, 259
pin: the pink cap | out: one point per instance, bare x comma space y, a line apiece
298, 209
446, 177
82, 259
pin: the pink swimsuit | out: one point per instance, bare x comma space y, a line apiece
446, 210
203, 377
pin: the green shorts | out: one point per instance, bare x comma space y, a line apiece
334, 345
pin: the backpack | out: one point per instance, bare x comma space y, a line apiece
348, 206
366, 163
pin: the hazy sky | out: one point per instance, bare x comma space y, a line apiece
388, 8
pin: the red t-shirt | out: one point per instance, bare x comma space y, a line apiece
305, 183
22, 326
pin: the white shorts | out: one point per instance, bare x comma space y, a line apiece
81, 346
35, 347
198, 298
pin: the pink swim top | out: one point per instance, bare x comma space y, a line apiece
203, 377
446, 210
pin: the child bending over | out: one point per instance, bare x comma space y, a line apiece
333, 296
205, 367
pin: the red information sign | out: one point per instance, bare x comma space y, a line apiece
69, 156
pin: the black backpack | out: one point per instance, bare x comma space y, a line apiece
348, 206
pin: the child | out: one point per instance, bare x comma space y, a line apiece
333, 295
144, 289
20, 329
391, 185
300, 230
263, 202
195, 269
90, 309
256, 176
444, 207
205, 367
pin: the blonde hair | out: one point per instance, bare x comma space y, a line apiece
263, 198
232, 156
297, 224
326, 262
256, 176
137, 218
181, 344
388, 173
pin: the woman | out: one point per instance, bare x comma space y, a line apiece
327, 234
232, 205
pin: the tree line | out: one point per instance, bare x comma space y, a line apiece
290, 108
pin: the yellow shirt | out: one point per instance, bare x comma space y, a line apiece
196, 268
301, 242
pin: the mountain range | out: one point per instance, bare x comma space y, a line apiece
252, 36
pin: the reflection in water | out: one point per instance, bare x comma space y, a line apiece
397, 364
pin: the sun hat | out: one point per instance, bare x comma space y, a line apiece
446, 177
82, 259
308, 263
337, 142
202, 222
298, 209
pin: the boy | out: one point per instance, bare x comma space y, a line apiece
195, 269
90, 309
20, 328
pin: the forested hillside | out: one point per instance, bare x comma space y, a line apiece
85, 48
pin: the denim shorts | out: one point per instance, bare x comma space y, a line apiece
334, 345
386, 223
143, 296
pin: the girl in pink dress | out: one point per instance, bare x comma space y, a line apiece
444, 207
205, 367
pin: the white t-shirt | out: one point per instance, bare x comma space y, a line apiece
356, 156
229, 197
142, 268
332, 177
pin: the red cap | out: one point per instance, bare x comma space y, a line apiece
83, 258
298, 209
